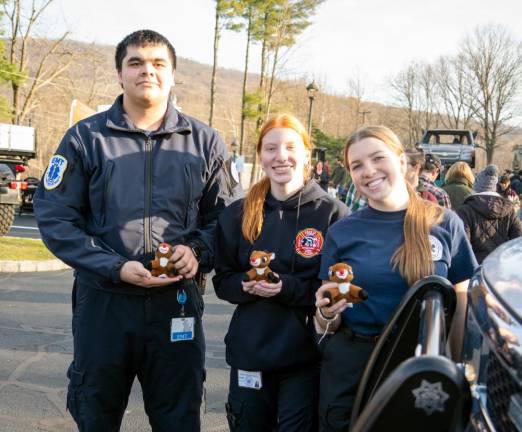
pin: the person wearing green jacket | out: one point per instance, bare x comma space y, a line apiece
458, 183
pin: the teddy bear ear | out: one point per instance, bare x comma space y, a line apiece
330, 272
272, 256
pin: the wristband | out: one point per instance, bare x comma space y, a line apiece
327, 319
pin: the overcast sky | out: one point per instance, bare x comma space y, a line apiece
371, 38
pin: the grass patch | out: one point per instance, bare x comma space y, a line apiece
19, 249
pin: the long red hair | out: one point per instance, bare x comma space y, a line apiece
252, 222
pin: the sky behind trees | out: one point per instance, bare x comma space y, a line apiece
372, 38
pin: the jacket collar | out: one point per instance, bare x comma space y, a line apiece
173, 121
459, 180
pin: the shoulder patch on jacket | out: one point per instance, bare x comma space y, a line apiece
308, 242
55, 171
436, 248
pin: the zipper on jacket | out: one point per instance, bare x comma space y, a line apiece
106, 189
147, 230
188, 207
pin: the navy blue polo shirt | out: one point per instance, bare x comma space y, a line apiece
367, 240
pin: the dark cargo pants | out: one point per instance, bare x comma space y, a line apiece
342, 365
287, 402
118, 337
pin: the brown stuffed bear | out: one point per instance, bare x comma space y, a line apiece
160, 265
342, 274
259, 260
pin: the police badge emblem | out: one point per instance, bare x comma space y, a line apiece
55, 170
430, 397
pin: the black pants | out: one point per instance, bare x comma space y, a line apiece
342, 365
286, 402
118, 337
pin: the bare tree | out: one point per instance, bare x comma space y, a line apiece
356, 91
415, 89
454, 92
44, 60
405, 84
493, 62
427, 90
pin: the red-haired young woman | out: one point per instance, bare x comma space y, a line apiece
270, 343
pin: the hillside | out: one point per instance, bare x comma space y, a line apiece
91, 78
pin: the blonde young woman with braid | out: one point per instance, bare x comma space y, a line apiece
270, 343
398, 239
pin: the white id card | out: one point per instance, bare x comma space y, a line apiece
182, 329
248, 379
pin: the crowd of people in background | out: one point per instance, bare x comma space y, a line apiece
489, 203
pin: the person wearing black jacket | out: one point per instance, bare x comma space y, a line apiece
270, 343
489, 219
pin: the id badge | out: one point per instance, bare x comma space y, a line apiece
247, 379
182, 329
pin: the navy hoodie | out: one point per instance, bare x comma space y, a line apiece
272, 333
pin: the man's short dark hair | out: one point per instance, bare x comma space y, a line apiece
143, 38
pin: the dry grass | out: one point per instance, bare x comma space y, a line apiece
18, 249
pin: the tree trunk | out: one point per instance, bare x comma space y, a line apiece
217, 36
271, 85
15, 101
259, 120
243, 97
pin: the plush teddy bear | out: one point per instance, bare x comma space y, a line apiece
342, 274
160, 265
259, 261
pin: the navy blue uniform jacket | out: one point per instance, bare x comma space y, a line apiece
126, 190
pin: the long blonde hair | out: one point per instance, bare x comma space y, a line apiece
413, 258
460, 170
252, 222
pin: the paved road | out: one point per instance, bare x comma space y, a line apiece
24, 226
36, 349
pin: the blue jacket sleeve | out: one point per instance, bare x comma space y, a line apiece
60, 215
220, 190
297, 292
229, 274
463, 261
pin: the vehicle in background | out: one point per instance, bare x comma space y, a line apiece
450, 145
17, 147
492, 354
27, 194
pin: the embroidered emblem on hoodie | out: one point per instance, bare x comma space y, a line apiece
308, 242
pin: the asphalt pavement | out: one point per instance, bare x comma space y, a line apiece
36, 349
25, 226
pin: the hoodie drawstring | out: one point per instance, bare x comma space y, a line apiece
296, 225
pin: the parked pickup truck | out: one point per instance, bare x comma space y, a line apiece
17, 146
450, 145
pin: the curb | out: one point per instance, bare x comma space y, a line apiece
32, 266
